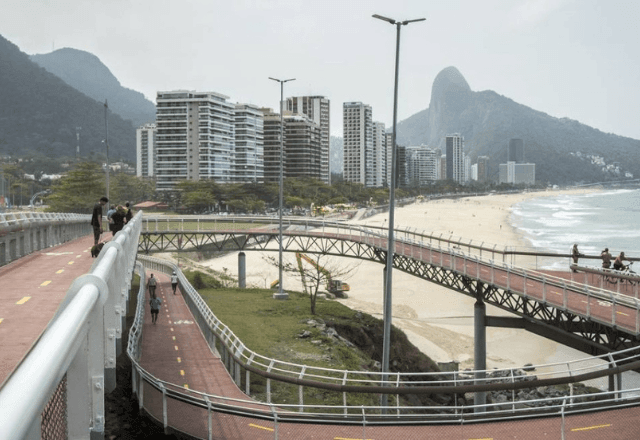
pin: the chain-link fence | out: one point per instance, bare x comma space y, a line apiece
54, 415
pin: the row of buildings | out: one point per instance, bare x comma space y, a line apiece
201, 135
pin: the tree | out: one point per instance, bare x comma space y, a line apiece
314, 272
78, 190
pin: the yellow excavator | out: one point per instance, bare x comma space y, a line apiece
336, 287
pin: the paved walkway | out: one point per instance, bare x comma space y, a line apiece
32, 288
175, 350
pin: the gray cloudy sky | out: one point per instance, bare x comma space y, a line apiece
568, 58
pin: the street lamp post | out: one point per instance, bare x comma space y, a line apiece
106, 141
281, 293
386, 342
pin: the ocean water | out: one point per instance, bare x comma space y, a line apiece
593, 221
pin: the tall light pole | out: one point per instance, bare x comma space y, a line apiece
78, 143
281, 293
386, 342
106, 141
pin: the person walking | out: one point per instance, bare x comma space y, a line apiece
96, 219
154, 304
129, 214
606, 258
174, 282
151, 285
118, 218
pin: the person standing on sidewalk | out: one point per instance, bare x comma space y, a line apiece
96, 219
174, 282
151, 285
154, 303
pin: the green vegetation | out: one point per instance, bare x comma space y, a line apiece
274, 329
79, 189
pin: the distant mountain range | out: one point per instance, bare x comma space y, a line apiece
562, 149
41, 107
39, 114
86, 73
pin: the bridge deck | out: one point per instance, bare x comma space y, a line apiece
32, 289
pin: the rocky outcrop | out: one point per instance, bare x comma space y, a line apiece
488, 120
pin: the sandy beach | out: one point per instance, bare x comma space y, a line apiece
437, 320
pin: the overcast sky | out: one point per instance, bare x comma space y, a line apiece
569, 58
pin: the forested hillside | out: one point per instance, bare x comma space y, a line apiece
39, 114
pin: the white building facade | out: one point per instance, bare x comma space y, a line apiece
145, 150
454, 144
358, 143
195, 138
249, 143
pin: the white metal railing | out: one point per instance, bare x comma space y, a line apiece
24, 232
80, 343
236, 357
236, 349
453, 255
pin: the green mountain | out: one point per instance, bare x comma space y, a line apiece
86, 73
561, 148
39, 114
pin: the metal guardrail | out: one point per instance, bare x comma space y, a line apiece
78, 347
24, 232
240, 361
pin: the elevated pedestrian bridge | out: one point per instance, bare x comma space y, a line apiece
68, 368
574, 309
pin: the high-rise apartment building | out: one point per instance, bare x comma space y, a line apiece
380, 159
195, 138
483, 168
301, 156
422, 165
399, 165
357, 143
517, 173
248, 122
272, 133
318, 109
145, 150
516, 151
455, 158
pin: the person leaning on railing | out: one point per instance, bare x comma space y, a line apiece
606, 258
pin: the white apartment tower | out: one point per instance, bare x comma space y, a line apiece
145, 150
455, 158
249, 143
380, 162
357, 143
195, 138
318, 109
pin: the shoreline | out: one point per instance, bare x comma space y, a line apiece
437, 320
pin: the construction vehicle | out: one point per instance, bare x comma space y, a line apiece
336, 287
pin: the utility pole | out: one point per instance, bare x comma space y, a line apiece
78, 143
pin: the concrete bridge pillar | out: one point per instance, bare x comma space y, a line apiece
480, 345
242, 270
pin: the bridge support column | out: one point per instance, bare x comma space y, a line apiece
479, 346
242, 270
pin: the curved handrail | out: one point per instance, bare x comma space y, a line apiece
325, 378
344, 380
